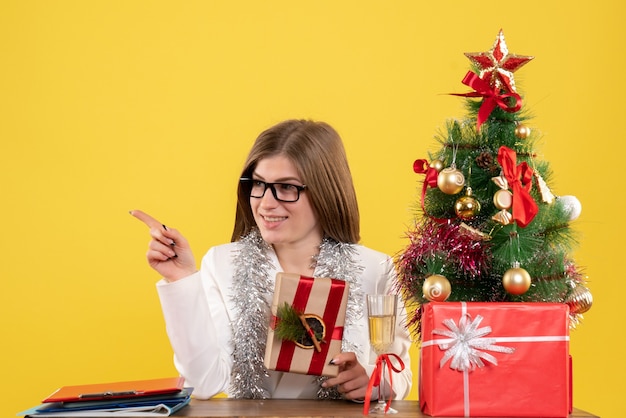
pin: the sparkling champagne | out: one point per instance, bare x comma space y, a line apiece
382, 330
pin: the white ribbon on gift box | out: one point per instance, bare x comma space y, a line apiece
465, 343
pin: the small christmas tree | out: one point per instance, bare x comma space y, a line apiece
488, 228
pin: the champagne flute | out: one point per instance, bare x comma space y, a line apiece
381, 312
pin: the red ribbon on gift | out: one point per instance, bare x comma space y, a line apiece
422, 167
437, 313
492, 97
377, 377
520, 180
331, 312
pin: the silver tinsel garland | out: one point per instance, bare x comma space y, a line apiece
251, 285
251, 291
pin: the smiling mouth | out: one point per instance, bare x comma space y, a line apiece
274, 218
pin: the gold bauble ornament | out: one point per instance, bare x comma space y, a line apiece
516, 280
436, 288
437, 165
467, 207
522, 131
580, 300
503, 199
450, 180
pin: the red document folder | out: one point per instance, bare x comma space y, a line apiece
116, 390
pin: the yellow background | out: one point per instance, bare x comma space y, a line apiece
107, 106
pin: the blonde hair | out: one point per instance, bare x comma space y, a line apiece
317, 151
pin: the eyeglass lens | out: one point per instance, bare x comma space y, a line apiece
284, 192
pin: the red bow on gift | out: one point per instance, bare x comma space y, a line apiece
377, 378
491, 96
520, 180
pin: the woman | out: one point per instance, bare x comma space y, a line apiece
296, 212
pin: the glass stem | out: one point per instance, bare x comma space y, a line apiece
381, 386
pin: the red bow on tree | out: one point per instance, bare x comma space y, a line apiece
520, 181
492, 97
422, 167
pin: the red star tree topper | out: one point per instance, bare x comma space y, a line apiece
497, 65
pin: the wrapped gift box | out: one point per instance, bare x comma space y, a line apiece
323, 298
495, 359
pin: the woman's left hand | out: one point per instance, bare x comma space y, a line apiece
352, 379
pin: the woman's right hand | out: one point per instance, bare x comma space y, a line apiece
168, 252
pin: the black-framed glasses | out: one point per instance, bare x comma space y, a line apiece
283, 192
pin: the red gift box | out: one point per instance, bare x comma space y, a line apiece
495, 359
323, 298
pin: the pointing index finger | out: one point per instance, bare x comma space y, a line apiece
146, 219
